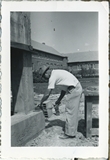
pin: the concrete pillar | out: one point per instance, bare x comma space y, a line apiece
25, 124
21, 63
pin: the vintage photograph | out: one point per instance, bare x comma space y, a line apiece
54, 79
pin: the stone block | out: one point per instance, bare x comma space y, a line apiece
26, 127
47, 109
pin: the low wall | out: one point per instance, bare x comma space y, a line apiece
26, 127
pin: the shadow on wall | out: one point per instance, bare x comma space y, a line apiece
16, 73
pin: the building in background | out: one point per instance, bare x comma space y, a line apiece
43, 54
46, 55
83, 64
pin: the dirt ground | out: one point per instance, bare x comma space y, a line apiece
54, 127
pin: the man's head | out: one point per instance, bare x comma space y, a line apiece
44, 71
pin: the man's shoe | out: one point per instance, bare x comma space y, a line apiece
64, 136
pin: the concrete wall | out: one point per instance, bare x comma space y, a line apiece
25, 124
26, 127
20, 27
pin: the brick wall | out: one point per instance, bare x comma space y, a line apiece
87, 67
39, 58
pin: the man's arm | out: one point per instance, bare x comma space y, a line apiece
45, 96
62, 94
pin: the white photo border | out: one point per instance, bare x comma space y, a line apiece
103, 29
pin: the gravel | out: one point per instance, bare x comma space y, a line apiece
55, 125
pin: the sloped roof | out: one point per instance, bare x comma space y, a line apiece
82, 56
45, 48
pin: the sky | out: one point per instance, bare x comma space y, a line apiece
67, 32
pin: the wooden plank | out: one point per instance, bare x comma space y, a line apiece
95, 99
95, 131
91, 93
85, 110
88, 116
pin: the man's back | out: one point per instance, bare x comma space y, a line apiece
62, 77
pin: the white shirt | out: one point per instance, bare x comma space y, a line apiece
62, 78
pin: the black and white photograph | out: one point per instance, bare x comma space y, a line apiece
55, 74
56, 82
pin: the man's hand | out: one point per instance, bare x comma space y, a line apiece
56, 107
45, 96
39, 107
62, 94
57, 102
